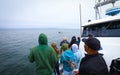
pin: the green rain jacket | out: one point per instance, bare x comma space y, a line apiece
44, 56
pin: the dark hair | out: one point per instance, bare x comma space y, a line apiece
73, 41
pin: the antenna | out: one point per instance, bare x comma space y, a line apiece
80, 20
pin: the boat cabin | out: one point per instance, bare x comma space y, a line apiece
106, 27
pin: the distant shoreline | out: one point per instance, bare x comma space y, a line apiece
33, 28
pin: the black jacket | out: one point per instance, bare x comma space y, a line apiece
93, 65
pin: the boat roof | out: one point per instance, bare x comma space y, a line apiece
104, 20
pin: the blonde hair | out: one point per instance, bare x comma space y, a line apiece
64, 46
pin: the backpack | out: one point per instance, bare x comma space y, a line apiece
115, 67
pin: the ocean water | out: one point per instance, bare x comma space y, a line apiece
15, 46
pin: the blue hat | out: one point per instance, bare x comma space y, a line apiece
92, 43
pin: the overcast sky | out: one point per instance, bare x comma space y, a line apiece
45, 13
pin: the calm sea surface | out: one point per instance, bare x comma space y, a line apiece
15, 45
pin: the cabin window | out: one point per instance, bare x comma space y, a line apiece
108, 29
114, 26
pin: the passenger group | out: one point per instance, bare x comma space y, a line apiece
68, 60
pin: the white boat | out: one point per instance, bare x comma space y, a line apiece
107, 30
106, 27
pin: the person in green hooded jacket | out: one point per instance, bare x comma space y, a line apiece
44, 56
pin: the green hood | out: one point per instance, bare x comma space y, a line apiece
43, 39
44, 56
